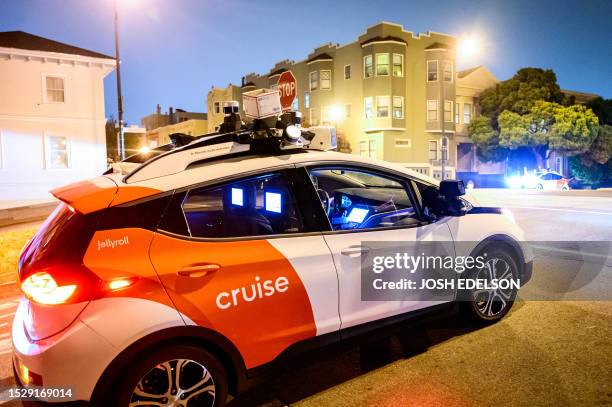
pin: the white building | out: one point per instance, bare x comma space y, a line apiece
51, 114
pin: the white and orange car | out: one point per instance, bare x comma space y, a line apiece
186, 279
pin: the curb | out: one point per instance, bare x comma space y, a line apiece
25, 214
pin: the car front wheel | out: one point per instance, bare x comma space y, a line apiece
486, 305
180, 375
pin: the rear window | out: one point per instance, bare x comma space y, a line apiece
54, 238
264, 205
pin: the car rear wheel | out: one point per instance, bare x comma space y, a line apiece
488, 305
539, 187
181, 376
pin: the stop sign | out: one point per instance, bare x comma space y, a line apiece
288, 89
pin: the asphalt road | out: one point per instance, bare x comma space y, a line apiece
543, 353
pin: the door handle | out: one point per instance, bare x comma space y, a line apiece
198, 270
354, 251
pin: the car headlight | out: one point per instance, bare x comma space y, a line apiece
508, 214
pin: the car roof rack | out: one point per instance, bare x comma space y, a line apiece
269, 136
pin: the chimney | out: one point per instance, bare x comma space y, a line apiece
171, 114
243, 81
158, 109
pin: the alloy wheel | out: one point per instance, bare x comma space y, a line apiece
491, 302
175, 383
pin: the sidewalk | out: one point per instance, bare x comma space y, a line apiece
14, 212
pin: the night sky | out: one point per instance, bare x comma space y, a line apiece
174, 51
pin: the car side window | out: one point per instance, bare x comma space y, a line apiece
360, 199
263, 205
555, 177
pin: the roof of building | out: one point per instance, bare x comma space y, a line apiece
439, 45
320, 57
466, 72
24, 40
580, 97
387, 38
277, 72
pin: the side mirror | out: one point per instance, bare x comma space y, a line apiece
452, 188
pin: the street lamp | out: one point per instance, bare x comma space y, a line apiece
468, 46
120, 135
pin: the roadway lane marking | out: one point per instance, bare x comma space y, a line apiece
560, 210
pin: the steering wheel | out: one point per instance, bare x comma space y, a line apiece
325, 200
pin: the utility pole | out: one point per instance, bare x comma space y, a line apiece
120, 137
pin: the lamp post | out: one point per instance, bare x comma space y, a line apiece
120, 135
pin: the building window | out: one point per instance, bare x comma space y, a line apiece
432, 110
432, 71
382, 106
295, 106
433, 150
448, 71
457, 112
398, 65
368, 68
467, 113
326, 80
382, 64
55, 89
367, 148
1, 152
347, 110
368, 108
448, 111
363, 148
314, 80
372, 145
398, 107
326, 115
217, 107
403, 142
306, 100
314, 116
347, 72
56, 152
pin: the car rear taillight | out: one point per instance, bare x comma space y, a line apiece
70, 284
42, 288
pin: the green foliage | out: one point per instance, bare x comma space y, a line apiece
603, 109
573, 129
600, 151
519, 93
486, 140
591, 172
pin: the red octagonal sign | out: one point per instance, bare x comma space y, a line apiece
288, 89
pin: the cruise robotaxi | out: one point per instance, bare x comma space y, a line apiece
187, 278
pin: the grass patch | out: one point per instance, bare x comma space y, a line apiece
11, 244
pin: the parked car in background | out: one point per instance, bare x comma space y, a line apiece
548, 180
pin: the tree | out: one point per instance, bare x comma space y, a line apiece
546, 127
603, 109
486, 140
111, 139
519, 93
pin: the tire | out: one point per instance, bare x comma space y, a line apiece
539, 187
485, 307
150, 374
